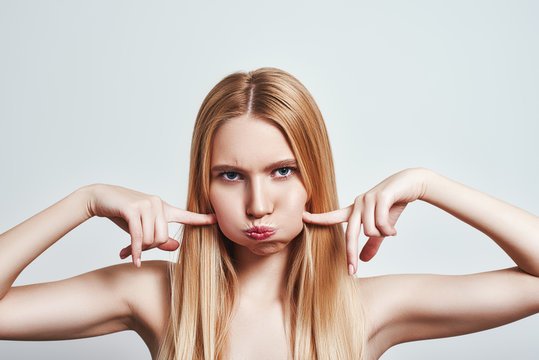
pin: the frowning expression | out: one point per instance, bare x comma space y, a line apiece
256, 189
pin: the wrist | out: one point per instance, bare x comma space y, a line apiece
429, 179
425, 179
86, 196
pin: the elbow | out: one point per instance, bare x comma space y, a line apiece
529, 269
3, 291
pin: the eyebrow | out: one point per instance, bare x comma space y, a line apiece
275, 165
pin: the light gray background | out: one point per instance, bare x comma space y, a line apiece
107, 91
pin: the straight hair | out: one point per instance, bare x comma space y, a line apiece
324, 318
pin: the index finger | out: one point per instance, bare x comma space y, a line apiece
329, 218
174, 214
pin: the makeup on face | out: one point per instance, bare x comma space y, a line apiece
256, 190
260, 232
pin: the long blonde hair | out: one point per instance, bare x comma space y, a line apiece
322, 309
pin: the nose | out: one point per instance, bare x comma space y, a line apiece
259, 202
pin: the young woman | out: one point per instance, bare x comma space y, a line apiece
264, 265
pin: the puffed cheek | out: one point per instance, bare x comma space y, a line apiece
226, 231
298, 225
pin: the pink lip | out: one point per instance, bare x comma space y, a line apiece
260, 232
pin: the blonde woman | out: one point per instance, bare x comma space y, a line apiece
264, 267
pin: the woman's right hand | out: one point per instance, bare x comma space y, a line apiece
145, 217
376, 211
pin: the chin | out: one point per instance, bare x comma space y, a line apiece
268, 248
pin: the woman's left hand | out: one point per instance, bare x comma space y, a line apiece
377, 210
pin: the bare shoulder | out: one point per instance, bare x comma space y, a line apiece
147, 291
408, 307
103, 301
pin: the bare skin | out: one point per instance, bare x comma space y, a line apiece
257, 330
246, 191
399, 308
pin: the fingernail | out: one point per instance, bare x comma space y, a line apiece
350, 269
138, 263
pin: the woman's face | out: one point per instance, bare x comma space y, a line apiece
255, 189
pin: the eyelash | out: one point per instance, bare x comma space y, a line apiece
282, 177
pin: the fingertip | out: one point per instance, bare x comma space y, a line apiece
135, 255
200, 219
175, 244
370, 249
125, 252
170, 245
364, 257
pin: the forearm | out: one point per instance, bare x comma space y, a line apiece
20, 245
516, 231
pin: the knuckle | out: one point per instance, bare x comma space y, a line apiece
155, 200
131, 213
147, 241
385, 230
365, 220
381, 196
136, 234
369, 197
381, 221
385, 226
163, 238
135, 247
369, 231
144, 204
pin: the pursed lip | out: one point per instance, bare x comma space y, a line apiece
260, 232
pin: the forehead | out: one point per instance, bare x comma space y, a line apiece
248, 141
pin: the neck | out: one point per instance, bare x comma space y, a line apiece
261, 277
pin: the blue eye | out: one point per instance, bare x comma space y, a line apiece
230, 175
284, 172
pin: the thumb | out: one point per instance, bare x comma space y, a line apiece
170, 245
371, 248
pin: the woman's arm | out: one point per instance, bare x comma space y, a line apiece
90, 304
107, 300
408, 307
20, 245
102, 301
516, 231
